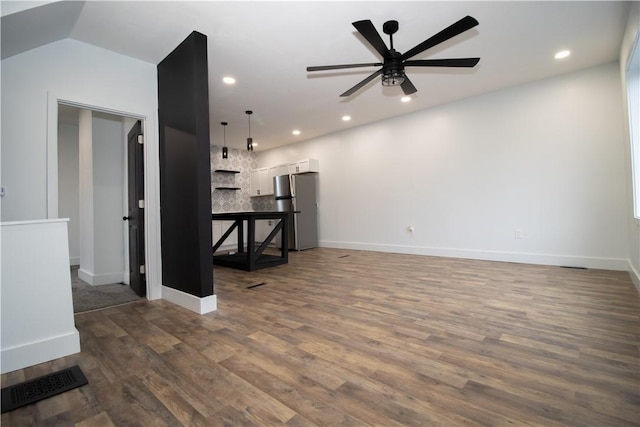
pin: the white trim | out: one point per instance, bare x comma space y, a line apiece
153, 257
100, 279
33, 353
152, 232
52, 156
34, 221
191, 302
617, 264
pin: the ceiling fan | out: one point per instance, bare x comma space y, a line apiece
394, 62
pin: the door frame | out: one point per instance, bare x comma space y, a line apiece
153, 261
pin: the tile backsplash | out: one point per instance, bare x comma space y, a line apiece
235, 200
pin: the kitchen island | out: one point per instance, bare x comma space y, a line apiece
250, 258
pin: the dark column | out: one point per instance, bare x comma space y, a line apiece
185, 171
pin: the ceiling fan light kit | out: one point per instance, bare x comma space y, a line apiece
393, 78
392, 70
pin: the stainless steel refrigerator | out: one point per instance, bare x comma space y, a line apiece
297, 194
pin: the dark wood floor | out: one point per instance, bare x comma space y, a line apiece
342, 337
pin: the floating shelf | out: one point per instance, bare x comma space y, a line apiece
228, 188
226, 170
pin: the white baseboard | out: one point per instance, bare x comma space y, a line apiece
33, 353
191, 302
100, 279
520, 257
74, 260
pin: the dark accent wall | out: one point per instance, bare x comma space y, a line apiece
185, 172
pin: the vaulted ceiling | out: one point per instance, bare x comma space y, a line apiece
266, 46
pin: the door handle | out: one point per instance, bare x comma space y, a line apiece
127, 218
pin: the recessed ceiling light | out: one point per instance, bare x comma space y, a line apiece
228, 80
346, 118
562, 54
296, 132
405, 99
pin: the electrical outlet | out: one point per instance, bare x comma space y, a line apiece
518, 233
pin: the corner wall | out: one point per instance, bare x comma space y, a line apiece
240, 200
545, 158
630, 36
68, 70
227, 200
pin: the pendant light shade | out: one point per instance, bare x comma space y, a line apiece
225, 151
249, 140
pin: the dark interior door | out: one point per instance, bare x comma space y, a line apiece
135, 216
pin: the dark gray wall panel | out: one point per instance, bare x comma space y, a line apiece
185, 172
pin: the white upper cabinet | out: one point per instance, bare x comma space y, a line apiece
282, 170
261, 180
304, 166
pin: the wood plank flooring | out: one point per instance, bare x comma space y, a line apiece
340, 337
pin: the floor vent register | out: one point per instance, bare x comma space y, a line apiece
32, 391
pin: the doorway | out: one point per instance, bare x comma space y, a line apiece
92, 158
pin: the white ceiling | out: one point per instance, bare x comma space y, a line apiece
267, 46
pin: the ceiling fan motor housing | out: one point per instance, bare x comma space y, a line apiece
393, 69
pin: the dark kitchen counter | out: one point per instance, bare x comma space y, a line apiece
250, 258
226, 216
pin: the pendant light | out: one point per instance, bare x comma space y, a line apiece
225, 152
249, 140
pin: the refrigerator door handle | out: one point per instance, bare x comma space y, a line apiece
292, 184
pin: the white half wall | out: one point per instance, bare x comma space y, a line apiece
545, 158
76, 73
37, 307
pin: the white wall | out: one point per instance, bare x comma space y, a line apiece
546, 158
108, 165
103, 184
68, 70
86, 213
630, 36
69, 190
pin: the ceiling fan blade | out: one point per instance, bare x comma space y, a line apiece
451, 31
370, 33
362, 83
407, 87
453, 62
339, 67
